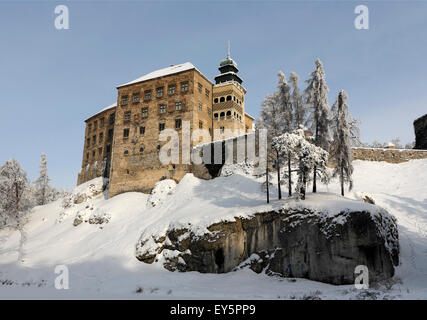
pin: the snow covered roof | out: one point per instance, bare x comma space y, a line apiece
111, 106
249, 116
163, 72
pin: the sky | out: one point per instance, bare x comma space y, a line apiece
52, 80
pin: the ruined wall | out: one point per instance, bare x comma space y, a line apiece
388, 155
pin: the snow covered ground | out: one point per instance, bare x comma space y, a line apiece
101, 257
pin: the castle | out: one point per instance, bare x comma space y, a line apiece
122, 141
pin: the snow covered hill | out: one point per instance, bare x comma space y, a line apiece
100, 250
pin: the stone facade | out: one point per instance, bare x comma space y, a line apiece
420, 128
182, 101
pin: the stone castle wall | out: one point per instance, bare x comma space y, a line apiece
388, 155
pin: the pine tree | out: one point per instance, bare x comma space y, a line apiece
342, 134
15, 197
317, 99
43, 189
298, 106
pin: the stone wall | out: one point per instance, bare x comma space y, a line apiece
388, 155
420, 128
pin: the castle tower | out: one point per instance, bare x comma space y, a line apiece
229, 118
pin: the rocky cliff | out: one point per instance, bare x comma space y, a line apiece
292, 242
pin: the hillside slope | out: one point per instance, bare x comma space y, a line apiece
101, 257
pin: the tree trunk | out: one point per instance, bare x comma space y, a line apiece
279, 189
314, 180
342, 181
304, 184
268, 191
289, 176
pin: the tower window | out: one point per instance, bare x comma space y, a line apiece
161, 126
100, 150
178, 105
126, 152
228, 114
127, 115
216, 116
95, 125
216, 100
110, 134
147, 95
124, 100
112, 118
172, 89
199, 87
87, 155
102, 122
144, 112
135, 98
207, 93
184, 86
125, 133
228, 98
88, 142
159, 92
108, 148
222, 99
162, 108
141, 149
222, 115
89, 127
141, 130
178, 123
93, 140
101, 136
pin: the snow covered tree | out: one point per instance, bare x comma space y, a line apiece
298, 106
317, 99
42, 189
410, 145
397, 143
342, 134
15, 195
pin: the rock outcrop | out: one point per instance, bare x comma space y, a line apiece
288, 242
420, 128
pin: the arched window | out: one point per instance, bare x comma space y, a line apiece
234, 98
216, 100
216, 115
228, 98
228, 114
222, 99
222, 115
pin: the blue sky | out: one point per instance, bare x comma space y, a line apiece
51, 80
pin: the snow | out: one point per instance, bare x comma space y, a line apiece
162, 73
101, 257
111, 106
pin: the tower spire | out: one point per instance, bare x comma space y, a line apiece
228, 51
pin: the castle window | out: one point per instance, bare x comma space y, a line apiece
178, 105
101, 136
178, 123
135, 98
221, 129
124, 100
222, 99
147, 95
144, 112
108, 148
127, 115
159, 92
141, 149
110, 134
228, 114
102, 122
125, 133
200, 124
112, 118
234, 98
161, 126
93, 154
141, 130
216, 116
216, 100
222, 115
100, 150
93, 140
228, 98
200, 106
172, 89
95, 125
162, 108
89, 127
87, 156
184, 86
88, 142
126, 152
199, 87
207, 93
